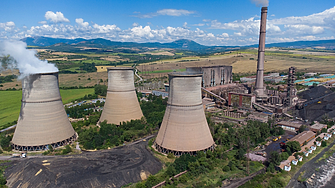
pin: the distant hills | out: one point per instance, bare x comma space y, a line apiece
182, 44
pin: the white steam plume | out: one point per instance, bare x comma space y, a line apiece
23, 59
263, 3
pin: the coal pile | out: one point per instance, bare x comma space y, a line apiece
325, 106
109, 168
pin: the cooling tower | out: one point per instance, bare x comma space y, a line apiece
184, 128
121, 101
42, 119
259, 90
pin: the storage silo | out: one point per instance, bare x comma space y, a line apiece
121, 100
43, 120
184, 128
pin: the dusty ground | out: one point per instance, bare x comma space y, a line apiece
109, 168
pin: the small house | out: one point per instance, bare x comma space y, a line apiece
313, 148
295, 161
318, 143
325, 137
306, 153
287, 167
329, 135
300, 158
309, 150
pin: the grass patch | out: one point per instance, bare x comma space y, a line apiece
10, 102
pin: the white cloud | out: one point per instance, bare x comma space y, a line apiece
43, 22
166, 12
57, 17
199, 24
81, 22
174, 12
239, 32
185, 26
8, 26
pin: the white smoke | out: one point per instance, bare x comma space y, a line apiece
263, 3
23, 59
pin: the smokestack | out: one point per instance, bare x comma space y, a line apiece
184, 128
259, 90
121, 101
43, 120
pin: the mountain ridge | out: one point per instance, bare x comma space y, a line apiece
183, 44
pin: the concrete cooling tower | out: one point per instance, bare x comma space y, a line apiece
184, 128
121, 101
43, 120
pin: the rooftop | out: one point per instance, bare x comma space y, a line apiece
318, 126
304, 136
290, 124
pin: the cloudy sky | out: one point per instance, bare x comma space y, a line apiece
214, 22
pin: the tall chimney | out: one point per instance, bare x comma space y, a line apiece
259, 90
43, 120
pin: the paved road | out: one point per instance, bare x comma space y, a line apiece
307, 167
138, 76
8, 128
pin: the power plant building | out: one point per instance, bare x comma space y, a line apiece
184, 128
121, 100
213, 75
43, 120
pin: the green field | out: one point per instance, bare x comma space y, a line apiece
10, 102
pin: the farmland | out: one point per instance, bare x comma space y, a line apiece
10, 102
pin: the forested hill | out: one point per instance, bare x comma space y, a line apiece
182, 44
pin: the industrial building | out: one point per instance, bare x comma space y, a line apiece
213, 75
304, 137
290, 126
184, 128
241, 100
43, 120
121, 101
317, 127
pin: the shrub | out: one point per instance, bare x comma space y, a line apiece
3, 181
271, 168
284, 156
183, 178
170, 155
226, 168
233, 168
323, 143
318, 139
324, 130
66, 150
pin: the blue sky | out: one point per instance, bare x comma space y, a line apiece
225, 22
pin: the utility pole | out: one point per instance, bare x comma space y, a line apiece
247, 155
